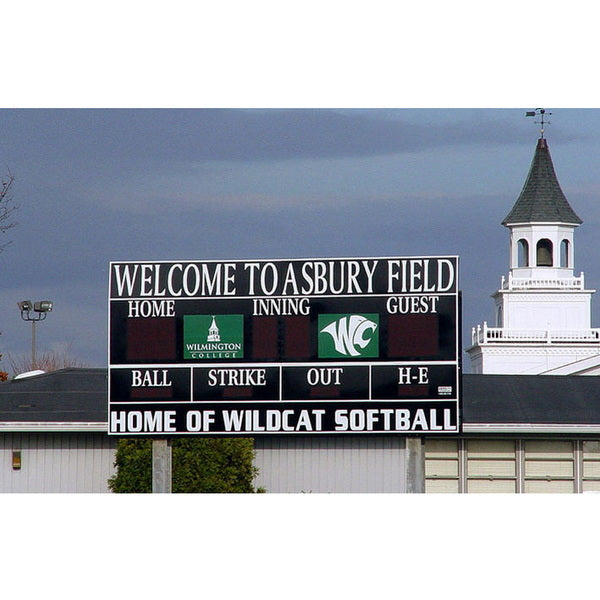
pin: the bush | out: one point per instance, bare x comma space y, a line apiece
200, 465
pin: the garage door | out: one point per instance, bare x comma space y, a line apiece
549, 467
491, 466
591, 466
442, 466
479, 465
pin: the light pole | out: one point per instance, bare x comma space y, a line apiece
40, 310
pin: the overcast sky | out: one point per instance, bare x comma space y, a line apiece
95, 185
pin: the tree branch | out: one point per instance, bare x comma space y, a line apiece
7, 206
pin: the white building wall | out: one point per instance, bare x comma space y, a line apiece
57, 462
558, 311
331, 464
83, 463
534, 360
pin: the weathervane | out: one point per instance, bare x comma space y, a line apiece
541, 112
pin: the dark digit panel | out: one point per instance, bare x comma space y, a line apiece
326, 382
236, 382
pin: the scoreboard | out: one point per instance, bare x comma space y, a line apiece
296, 346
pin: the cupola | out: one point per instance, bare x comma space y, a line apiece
541, 223
543, 311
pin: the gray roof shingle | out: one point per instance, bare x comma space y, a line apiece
541, 200
67, 395
535, 399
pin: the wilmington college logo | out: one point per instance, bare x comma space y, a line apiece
348, 336
209, 337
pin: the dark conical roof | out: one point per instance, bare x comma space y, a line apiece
541, 200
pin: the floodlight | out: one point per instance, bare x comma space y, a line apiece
43, 306
34, 312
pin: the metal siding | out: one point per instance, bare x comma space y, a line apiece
331, 464
57, 462
549, 468
556, 486
547, 449
496, 449
591, 468
441, 486
513, 465
441, 449
496, 486
591, 486
591, 449
441, 466
89, 460
491, 468
590, 457
51, 476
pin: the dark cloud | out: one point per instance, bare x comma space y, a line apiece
131, 135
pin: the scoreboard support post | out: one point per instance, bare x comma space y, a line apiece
161, 466
415, 465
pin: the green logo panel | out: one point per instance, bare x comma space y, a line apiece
349, 335
213, 337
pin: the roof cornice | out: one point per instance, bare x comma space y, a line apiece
570, 428
48, 426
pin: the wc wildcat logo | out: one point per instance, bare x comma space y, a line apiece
348, 336
209, 337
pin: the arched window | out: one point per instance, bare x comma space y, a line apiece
564, 253
544, 253
499, 318
522, 253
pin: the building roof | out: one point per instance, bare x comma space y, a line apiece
76, 400
541, 199
76, 397
531, 399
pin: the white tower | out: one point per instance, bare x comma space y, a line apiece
543, 311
